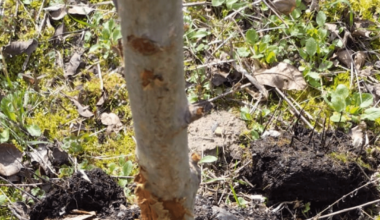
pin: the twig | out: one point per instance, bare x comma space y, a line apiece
229, 92
352, 192
100, 77
294, 108
195, 4
210, 64
241, 9
345, 210
35, 198
123, 177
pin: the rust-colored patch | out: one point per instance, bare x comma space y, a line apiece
147, 77
153, 208
143, 45
195, 157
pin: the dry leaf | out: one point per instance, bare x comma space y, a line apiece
10, 159
333, 28
82, 110
20, 47
57, 12
357, 134
344, 56
72, 66
80, 10
360, 59
112, 121
60, 157
40, 155
58, 34
283, 76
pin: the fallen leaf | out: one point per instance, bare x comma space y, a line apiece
109, 119
80, 10
60, 156
57, 12
20, 47
41, 155
344, 56
357, 134
58, 34
10, 159
72, 66
283, 76
360, 59
82, 110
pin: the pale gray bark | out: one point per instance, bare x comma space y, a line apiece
153, 55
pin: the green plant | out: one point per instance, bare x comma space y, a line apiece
107, 37
355, 107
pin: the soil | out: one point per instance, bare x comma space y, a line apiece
299, 166
102, 195
294, 171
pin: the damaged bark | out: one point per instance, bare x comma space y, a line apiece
153, 56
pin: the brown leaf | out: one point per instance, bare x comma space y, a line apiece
58, 34
20, 47
284, 6
57, 12
82, 110
283, 76
72, 66
360, 59
112, 121
10, 159
80, 10
344, 56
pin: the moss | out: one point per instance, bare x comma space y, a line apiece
339, 156
348, 158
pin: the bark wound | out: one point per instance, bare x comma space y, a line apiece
143, 45
149, 79
153, 208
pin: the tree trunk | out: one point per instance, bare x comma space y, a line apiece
153, 56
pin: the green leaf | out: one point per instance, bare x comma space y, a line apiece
3, 199
94, 48
242, 202
338, 103
311, 46
365, 101
270, 57
255, 135
34, 130
208, 159
337, 117
243, 51
200, 33
217, 3
116, 35
321, 18
252, 36
371, 114
314, 75
342, 91
122, 182
229, 3
127, 168
4, 136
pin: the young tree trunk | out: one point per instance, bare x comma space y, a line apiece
153, 56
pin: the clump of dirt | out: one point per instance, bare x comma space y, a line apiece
218, 129
102, 195
302, 167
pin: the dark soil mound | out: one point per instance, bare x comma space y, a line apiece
302, 167
102, 195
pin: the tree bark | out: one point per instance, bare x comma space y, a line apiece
153, 56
